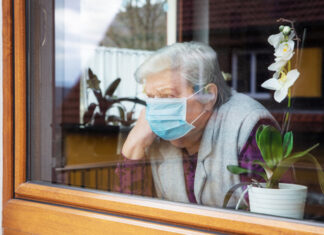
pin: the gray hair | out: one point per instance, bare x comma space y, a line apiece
196, 62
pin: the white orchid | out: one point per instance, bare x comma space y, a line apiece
281, 85
285, 51
277, 65
275, 39
278, 38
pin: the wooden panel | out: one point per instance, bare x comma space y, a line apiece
309, 84
20, 93
26, 217
8, 231
7, 76
46, 219
182, 214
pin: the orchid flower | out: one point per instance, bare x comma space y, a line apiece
285, 50
282, 84
278, 38
283, 53
275, 39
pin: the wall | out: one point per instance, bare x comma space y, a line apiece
1, 114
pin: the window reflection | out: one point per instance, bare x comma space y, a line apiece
85, 100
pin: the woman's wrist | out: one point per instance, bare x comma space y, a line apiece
133, 152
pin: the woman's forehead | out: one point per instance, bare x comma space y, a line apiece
165, 81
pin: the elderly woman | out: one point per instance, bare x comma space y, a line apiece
192, 128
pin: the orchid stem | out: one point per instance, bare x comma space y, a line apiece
286, 119
289, 65
289, 97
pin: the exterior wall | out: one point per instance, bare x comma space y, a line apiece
1, 115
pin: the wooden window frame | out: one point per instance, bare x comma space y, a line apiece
25, 202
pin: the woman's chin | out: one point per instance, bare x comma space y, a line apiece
180, 143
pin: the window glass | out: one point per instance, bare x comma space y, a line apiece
172, 99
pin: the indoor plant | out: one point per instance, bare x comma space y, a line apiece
273, 197
100, 137
98, 114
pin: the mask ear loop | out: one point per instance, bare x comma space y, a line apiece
203, 112
195, 93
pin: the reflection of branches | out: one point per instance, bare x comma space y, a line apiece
141, 25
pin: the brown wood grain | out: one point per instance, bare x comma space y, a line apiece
8, 231
39, 218
36, 218
176, 213
7, 76
20, 92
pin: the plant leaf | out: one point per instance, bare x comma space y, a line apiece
87, 116
287, 162
239, 170
301, 154
288, 143
134, 100
270, 145
121, 113
93, 81
257, 135
231, 191
112, 87
284, 165
267, 170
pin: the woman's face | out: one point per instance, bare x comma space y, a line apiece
170, 84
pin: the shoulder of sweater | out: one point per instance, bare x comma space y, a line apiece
243, 104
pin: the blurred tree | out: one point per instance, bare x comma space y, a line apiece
140, 24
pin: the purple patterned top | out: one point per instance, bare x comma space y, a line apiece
132, 172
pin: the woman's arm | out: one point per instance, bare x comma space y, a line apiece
133, 173
140, 137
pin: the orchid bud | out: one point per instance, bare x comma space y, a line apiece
286, 30
281, 27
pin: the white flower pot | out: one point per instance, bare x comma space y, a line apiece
287, 201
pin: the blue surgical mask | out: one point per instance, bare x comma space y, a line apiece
167, 117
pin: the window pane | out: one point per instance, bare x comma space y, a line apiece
244, 78
263, 61
112, 108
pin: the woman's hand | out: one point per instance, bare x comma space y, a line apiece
140, 137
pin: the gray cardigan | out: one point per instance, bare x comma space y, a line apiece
225, 135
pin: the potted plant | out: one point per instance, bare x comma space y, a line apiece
100, 137
98, 114
273, 197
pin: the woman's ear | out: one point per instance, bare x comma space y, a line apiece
211, 90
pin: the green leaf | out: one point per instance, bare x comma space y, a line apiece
267, 170
285, 164
301, 154
288, 143
270, 145
289, 161
258, 133
239, 170
112, 88
231, 191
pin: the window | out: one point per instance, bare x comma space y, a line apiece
249, 73
66, 148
